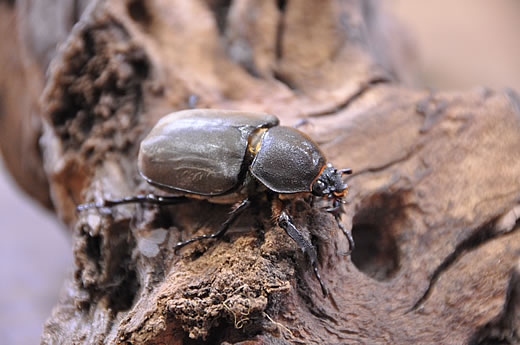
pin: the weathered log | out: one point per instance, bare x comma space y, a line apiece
433, 203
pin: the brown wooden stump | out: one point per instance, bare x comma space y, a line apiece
433, 203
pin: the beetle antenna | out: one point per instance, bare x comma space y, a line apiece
347, 171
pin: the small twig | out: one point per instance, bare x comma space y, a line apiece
279, 324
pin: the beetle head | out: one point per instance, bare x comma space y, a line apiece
329, 183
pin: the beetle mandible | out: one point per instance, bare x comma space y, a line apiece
227, 156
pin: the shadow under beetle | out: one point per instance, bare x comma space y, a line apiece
226, 156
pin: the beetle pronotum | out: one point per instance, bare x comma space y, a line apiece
226, 156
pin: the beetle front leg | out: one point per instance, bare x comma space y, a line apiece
337, 210
137, 199
234, 214
286, 223
347, 233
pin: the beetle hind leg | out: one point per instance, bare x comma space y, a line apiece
233, 216
136, 199
285, 222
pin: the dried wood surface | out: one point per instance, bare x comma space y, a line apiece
433, 203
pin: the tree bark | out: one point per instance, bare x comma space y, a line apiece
433, 203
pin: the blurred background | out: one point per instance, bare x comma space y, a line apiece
42, 259
464, 43
456, 44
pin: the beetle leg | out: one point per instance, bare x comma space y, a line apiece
337, 210
234, 214
300, 122
347, 233
312, 200
286, 223
192, 101
347, 171
138, 199
334, 209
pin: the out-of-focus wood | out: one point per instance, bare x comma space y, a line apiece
21, 84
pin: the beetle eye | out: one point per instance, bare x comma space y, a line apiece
319, 186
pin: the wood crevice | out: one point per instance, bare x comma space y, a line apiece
479, 237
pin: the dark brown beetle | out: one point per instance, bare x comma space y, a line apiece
227, 156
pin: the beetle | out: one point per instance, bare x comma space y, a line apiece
227, 156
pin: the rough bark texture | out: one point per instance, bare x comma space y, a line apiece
433, 203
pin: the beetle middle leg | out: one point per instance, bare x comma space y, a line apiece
285, 222
234, 214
